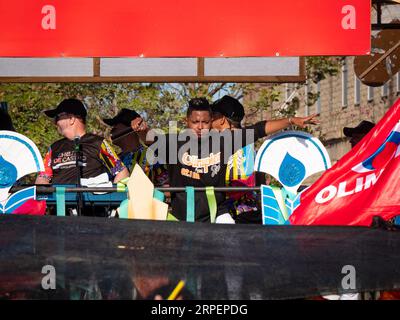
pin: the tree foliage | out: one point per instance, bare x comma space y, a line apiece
28, 101
157, 103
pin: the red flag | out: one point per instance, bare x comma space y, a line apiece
32, 207
364, 183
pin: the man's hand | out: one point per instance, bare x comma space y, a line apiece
139, 125
42, 180
302, 122
273, 126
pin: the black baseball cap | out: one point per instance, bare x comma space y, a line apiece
229, 107
69, 106
125, 116
363, 128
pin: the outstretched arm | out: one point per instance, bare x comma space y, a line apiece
273, 126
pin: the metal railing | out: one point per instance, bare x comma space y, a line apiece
41, 189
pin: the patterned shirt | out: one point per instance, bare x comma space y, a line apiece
240, 173
157, 173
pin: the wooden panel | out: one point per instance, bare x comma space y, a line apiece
275, 70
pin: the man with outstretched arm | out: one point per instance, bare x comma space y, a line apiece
204, 163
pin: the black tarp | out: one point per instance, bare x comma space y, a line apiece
98, 258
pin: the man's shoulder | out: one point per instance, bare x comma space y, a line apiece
92, 136
59, 142
93, 139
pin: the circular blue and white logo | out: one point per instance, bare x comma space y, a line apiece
291, 157
19, 156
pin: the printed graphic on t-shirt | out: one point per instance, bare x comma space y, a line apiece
202, 165
210, 164
65, 160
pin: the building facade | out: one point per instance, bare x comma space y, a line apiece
344, 102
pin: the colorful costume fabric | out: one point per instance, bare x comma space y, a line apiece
157, 173
240, 173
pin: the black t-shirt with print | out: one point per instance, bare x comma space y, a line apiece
203, 167
96, 155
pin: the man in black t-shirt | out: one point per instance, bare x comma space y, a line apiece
97, 156
198, 157
78, 154
132, 150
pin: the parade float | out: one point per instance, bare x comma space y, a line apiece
315, 242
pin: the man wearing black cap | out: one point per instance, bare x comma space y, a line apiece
96, 156
132, 150
357, 133
228, 113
